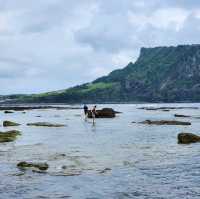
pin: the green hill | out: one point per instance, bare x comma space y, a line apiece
161, 74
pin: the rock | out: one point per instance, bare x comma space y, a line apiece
105, 170
103, 113
23, 108
187, 138
178, 115
166, 108
66, 173
57, 156
40, 166
8, 112
9, 136
165, 122
45, 124
64, 167
9, 123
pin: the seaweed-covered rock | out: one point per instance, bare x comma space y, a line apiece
187, 138
103, 113
165, 122
9, 123
45, 124
40, 166
9, 136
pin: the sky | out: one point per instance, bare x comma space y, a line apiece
50, 45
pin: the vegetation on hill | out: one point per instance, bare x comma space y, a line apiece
161, 74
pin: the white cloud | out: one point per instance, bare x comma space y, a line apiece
54, 44
172, 18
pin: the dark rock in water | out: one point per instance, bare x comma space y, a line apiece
9, 123
165, 122
23, 108
40, 166
45, 124
103, 113
8, 112
187, 138
166, 108
9, 136
105, 170
178, 115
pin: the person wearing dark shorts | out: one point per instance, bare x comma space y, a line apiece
85, 111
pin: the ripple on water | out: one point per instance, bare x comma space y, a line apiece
113, 159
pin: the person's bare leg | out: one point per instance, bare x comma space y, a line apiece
93, 120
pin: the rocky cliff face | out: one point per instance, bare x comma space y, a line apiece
165, 74
161, 74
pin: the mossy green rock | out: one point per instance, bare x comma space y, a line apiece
9, 123
45, 124
9, 136
40, 166
187, 138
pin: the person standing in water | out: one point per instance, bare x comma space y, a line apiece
85, 111
94, 114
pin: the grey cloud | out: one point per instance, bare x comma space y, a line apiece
54, 44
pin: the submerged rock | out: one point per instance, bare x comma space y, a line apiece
8, 112
187, 138
40, 166
103, 113
45, 124
66, 173
105, 170
9, 123
9, 136
165, 122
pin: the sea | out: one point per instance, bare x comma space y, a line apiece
117, 158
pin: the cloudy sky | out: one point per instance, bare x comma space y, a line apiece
54, 44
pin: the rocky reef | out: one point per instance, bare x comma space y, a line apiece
187, 138
164, 122
28, 165
103, 113
9, 136
45, 124
9, 123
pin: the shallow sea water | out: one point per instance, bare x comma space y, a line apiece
115, 159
